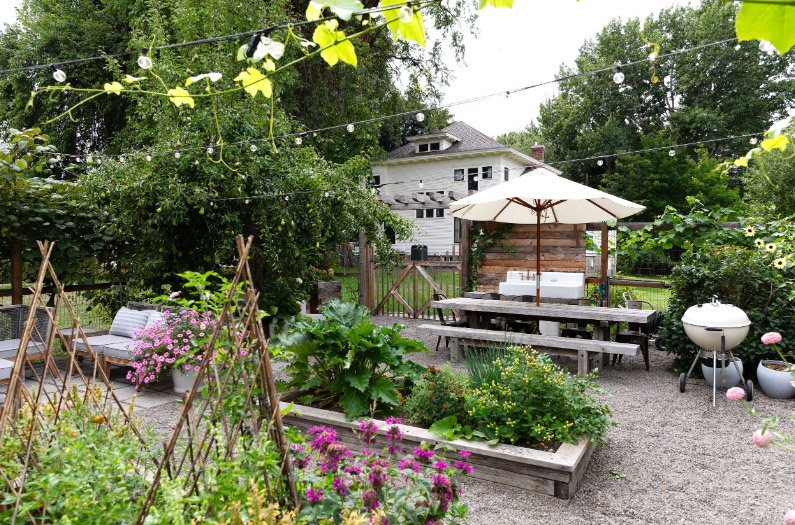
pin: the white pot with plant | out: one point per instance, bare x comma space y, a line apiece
776, 376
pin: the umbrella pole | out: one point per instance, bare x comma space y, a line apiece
538, 258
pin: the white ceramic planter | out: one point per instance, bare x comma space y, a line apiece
732, 378
183, 381
775, 383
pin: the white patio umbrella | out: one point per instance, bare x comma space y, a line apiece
541, 197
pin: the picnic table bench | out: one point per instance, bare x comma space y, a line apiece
584, 350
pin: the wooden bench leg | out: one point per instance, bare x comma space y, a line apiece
455, 350
582, 362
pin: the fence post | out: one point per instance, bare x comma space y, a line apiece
605, 278
464, 249
16, 267
363, 270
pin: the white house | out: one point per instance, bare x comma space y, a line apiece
457, 159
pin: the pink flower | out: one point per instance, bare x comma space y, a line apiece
735, 393
173, 295
771, 338
789, 517
196, 368
187, 367
762, 440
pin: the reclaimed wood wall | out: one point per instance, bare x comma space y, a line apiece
562, 250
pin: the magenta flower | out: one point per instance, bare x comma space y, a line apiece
408, 463
735, 393
466, 469
370, 499
314, 495
789, 517
340, 487
440, 465
369, 430
762, 439
771, 338
423, 455
392, 421
464, 454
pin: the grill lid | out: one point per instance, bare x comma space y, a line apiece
716, 315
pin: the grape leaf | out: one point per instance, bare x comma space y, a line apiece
413, 30
342, 8
772, 21
496, 3
326, 35
779, 142
179, 96
253, 81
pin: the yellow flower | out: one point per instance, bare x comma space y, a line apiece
759, 243
750, 231
771, 247
779, 263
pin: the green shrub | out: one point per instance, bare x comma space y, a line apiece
536, 401
346, 359
744, 277
480, 363
437, 395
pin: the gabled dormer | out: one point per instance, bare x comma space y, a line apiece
433, 142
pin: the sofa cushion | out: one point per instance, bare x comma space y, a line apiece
120, 350
10, 347
97, 343
154, 316
6, 367
128, 321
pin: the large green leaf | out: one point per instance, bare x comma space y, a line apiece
772, 20
412, 30
342, 8
354, 404
384, 390
326, 35
347, 314
358, 379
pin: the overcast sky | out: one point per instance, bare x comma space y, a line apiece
515, 47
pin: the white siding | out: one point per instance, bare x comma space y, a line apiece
437, 175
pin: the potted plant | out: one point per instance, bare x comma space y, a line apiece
177, 344
775, 377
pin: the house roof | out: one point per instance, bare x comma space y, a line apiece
469, 141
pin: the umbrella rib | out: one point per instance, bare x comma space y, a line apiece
603, 209
502, 210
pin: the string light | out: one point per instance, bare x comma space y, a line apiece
753, 140
122, 159
672, 153
58, 74
406, 13
350, 128
420, 116
618, 77
210, 150
600, 162
253, 148
148, 158
298, 140
144, 62
177, 155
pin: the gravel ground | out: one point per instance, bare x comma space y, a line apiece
683, 461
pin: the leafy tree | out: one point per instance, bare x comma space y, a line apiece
525, 140
769, 181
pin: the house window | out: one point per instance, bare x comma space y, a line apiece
376, 180
505, 173
456, 230
428, 214
420, 214
389, 233
458, 175
440, 212
423, 148
435, 146
485, 172
472, 179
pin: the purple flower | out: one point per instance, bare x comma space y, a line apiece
173, 295
440, 465
369, 430
409, 463
393, 421
314, 495
340, 487
353, 470
423, 455
370, 499
466, 469
464, 454
377, 477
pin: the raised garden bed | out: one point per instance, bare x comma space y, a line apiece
555, 474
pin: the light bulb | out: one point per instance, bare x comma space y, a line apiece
372, 190
253, 148
210, 150
99, 161
672, 153
122, 159
325, 194
619, 76
421, 184
78, 160
144, 62
420, 116
350, 128
148, 158
58, 158
475, 178
600, 162
753, 140
177, 155
58, 75
247, 201
287, 198
298, 141
406, 14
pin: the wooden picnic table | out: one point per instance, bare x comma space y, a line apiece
602, 318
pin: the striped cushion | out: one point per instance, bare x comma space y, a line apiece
128, 321
154, 316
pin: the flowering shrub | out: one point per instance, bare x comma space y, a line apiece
536, 401
366, 487
436, 395
179, 341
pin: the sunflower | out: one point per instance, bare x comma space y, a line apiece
771, 247
779, 263
750, 231
759, 243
